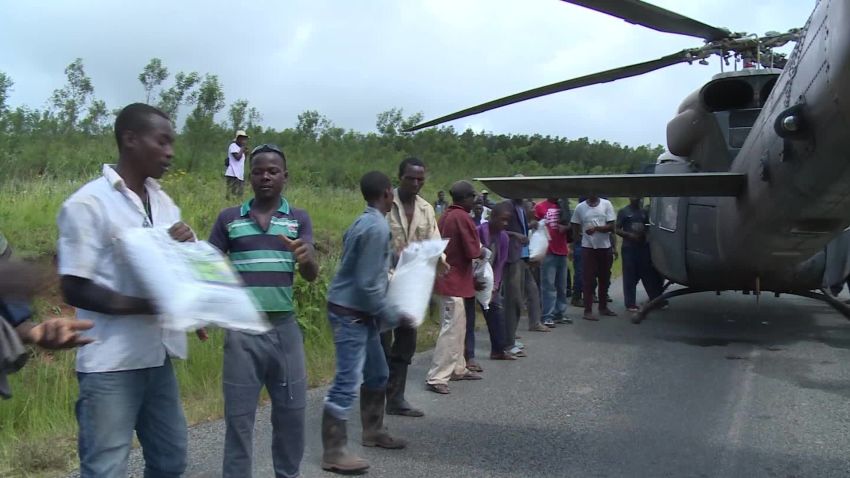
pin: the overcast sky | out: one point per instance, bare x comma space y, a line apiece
352, 60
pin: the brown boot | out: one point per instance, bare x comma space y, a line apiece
336, 457
372, 416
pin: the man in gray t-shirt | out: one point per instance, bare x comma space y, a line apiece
593, 219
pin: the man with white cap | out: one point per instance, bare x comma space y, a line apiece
234, 174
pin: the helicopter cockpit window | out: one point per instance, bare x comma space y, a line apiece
669, 214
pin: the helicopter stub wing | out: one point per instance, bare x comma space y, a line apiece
618, 185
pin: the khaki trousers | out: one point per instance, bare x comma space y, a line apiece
448, 353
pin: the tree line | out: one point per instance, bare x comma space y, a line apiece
72, 136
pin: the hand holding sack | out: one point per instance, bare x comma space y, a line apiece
413, 280
192, 284
483, 272
538, 245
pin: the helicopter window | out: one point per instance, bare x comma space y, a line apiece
669, 214
724, 95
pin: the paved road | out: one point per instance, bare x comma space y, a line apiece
710, 388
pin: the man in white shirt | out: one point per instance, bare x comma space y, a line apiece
234, 173
593, 220
125, 377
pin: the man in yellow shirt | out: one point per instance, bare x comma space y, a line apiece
411, 219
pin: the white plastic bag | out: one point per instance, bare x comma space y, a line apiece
483, 272
413, 281
191, 283
538, 244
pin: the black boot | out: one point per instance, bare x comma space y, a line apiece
396, 404
372, 417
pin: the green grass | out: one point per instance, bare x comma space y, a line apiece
41, 410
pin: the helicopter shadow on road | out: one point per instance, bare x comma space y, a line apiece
706, 320
786, 332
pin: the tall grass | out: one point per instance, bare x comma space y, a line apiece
37, 426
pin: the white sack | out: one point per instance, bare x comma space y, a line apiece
538, 244
191, 283
413, 280
483, 272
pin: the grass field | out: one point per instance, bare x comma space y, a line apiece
41, 411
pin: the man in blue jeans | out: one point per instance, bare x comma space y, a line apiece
554, 271
358, 311
125, 376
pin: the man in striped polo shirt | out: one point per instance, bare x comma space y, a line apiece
266, 240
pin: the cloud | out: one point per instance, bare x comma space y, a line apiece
352, 60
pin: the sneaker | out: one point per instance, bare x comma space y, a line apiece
633, 309
519, 344
564, 320
549, 323
517, 352
607, 313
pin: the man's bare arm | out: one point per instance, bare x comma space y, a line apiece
85, 294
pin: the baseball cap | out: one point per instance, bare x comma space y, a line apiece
240, 133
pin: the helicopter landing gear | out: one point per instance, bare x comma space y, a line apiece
825, 296
661, 300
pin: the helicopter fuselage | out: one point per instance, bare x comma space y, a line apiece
789, 133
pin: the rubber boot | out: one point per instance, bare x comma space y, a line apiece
372, 416
396, 403
336, 457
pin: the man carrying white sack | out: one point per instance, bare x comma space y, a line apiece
357, 310
265, 239
125, 377
411, 219
455, 225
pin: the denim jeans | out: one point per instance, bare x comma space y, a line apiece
495, 320
113, 404
359, 359
553, 287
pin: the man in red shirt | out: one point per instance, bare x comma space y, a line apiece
553, 272
455, 225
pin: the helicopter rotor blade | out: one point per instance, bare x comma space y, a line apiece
592, 79
656, 18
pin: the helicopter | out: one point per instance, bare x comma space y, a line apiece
755, 183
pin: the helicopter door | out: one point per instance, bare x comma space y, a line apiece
702, 254
668, 217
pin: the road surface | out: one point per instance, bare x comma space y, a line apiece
712, 387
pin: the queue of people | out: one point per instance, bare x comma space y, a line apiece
127, 383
